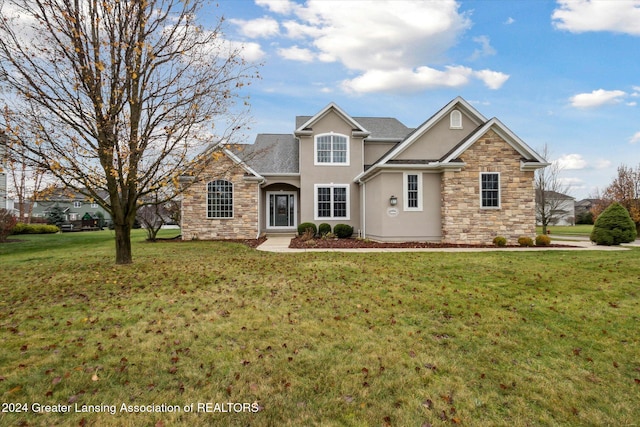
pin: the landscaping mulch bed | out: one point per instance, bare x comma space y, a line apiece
300, 243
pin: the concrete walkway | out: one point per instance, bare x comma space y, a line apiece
280, 243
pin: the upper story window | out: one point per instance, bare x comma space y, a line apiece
220, 199
490, 190
455, 120
331, 149
77, 204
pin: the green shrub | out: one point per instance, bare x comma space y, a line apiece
324, 228
543, 240
22, 228
500, 241
302, 228
343, 231
613, 226
525, 241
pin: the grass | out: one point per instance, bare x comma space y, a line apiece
497, 338
569, 230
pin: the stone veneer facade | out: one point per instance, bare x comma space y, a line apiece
463, 220
243, 225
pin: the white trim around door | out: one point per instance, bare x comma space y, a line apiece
281, 210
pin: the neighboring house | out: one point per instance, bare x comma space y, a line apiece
583, 210
561, 208
458, 178
73, 204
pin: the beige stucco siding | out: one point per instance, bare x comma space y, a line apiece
373, 151
311, 174
438, 140
464, 221
387, 223
243, 225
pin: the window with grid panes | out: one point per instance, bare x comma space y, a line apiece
220, 199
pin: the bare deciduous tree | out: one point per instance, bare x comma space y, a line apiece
548, 186
624, 189
26, 181
118, 95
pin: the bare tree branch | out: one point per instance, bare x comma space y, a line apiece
118, 97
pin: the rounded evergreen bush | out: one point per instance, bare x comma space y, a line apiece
324, 229
525, 241
500, 241
302, 228
614, 226
343, 231
543, 240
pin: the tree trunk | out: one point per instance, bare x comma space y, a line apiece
123, 244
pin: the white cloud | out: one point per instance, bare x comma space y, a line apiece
393, 45
509, 21
571, 162
251, 52
407, 79
635, 138
485, 48
578, 16
572, 182
297, 54
255, 28
602, 164
492, 79
421, 78
278, 6
597, 98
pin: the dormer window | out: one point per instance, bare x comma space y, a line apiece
332, 149
455, 120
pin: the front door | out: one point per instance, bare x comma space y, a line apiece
281, 210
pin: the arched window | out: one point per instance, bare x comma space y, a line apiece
455, 120
220, 199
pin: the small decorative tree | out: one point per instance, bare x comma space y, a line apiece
614, 226
7, 222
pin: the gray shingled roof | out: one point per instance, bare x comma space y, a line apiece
380, 127
271, 154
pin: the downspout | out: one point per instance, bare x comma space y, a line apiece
363, 209
259, 189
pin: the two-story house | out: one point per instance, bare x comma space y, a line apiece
74, 205
458, 178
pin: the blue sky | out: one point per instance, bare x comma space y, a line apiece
561, 73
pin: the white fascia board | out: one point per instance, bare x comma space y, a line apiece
426, 167
300, 131
239, 161
532, 166
505, 133
431, 122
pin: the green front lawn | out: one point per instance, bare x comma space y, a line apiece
495, 338
569, 230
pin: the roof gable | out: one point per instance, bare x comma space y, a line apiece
527, 153
304, 128
457, 103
